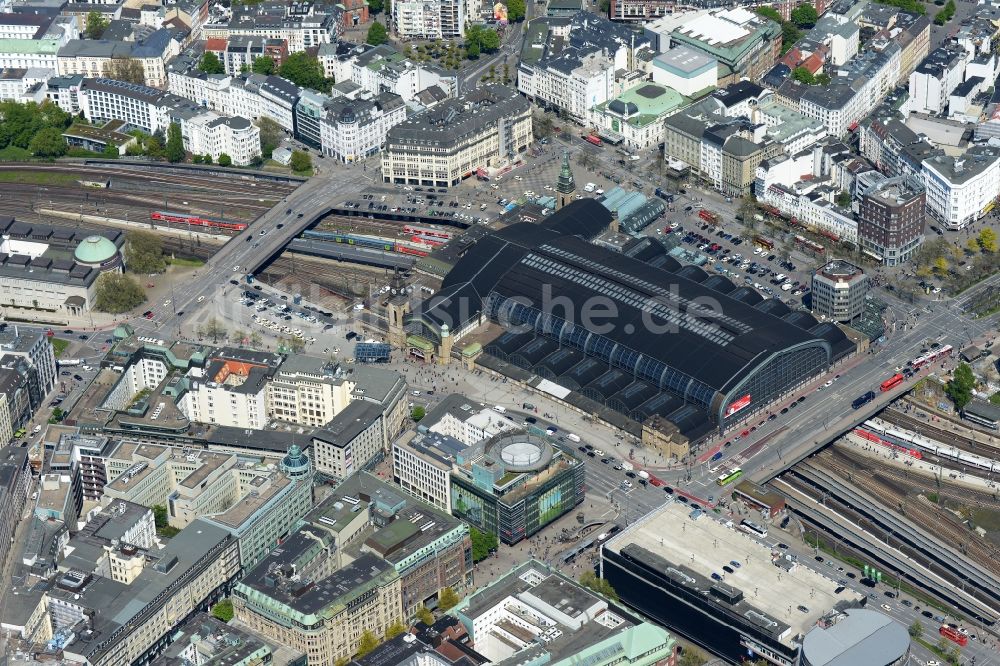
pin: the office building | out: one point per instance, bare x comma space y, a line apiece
15, 398
39, 360
15, 478
295, 598
422, 464
484, 129
534, 613
458, 417
838, 291
212, 134
514, 484
354, 440
764, 608
118, 604
960, 190
743, 43
891, 220
256, 96
307, 390
300, 26
382, 68
231, 389
204, 639
353, 129
686, 70
429, 549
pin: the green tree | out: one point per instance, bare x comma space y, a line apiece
225, 160
127, 69
987, 240
972, 245
515, 10
223, 610
959, 389
425, 615
368, 642
822, 79
789, 35
115, 293
803, 75
377, 34
96, 25
49, 142
375, 6
771, 13
206, 158
271, 135
263, 65
804, 16
417, 413
916, 630
472, 50
941, 265
144, 252
908, 5
486, 39
600, 585
210, 64
691, 656
160, 516
447, 599
304, 70
844, 199
175, 143
215, 330
483, 543
394, 629
301, 161
605, 7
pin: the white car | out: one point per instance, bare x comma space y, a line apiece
828, 384
236, 268
886, 607
166, 302
201, 298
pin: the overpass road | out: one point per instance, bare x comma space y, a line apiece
261, 240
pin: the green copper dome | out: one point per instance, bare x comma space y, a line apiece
95, 250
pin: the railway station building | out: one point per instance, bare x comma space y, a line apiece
632, 334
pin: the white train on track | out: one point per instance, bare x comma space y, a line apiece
929, 446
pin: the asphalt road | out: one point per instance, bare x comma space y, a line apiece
230, 262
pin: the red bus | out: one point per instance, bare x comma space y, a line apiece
765, 243
954, 635
891, 383
708, 216
594, 139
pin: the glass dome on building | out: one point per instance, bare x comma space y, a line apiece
95, 250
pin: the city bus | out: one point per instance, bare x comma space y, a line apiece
863, 400
954, 635
728, 477
891, 383
593, 139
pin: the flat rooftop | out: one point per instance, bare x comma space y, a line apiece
705, 545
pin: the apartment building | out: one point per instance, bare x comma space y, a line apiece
242, 50
429, 19
571, 82
308, 390
457, 417
857, 89
231, 389
382, 68
209, 133
486, 128
934, 79
838, 290
15, 405
353, 129
297, 598
256, 96
960, 190
35, 350
208, 90
30, 53
300, 26
94, 58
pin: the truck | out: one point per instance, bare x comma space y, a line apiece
589, 187
626, 465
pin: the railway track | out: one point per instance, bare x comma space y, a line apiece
893, 495
950, 437
918, 482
